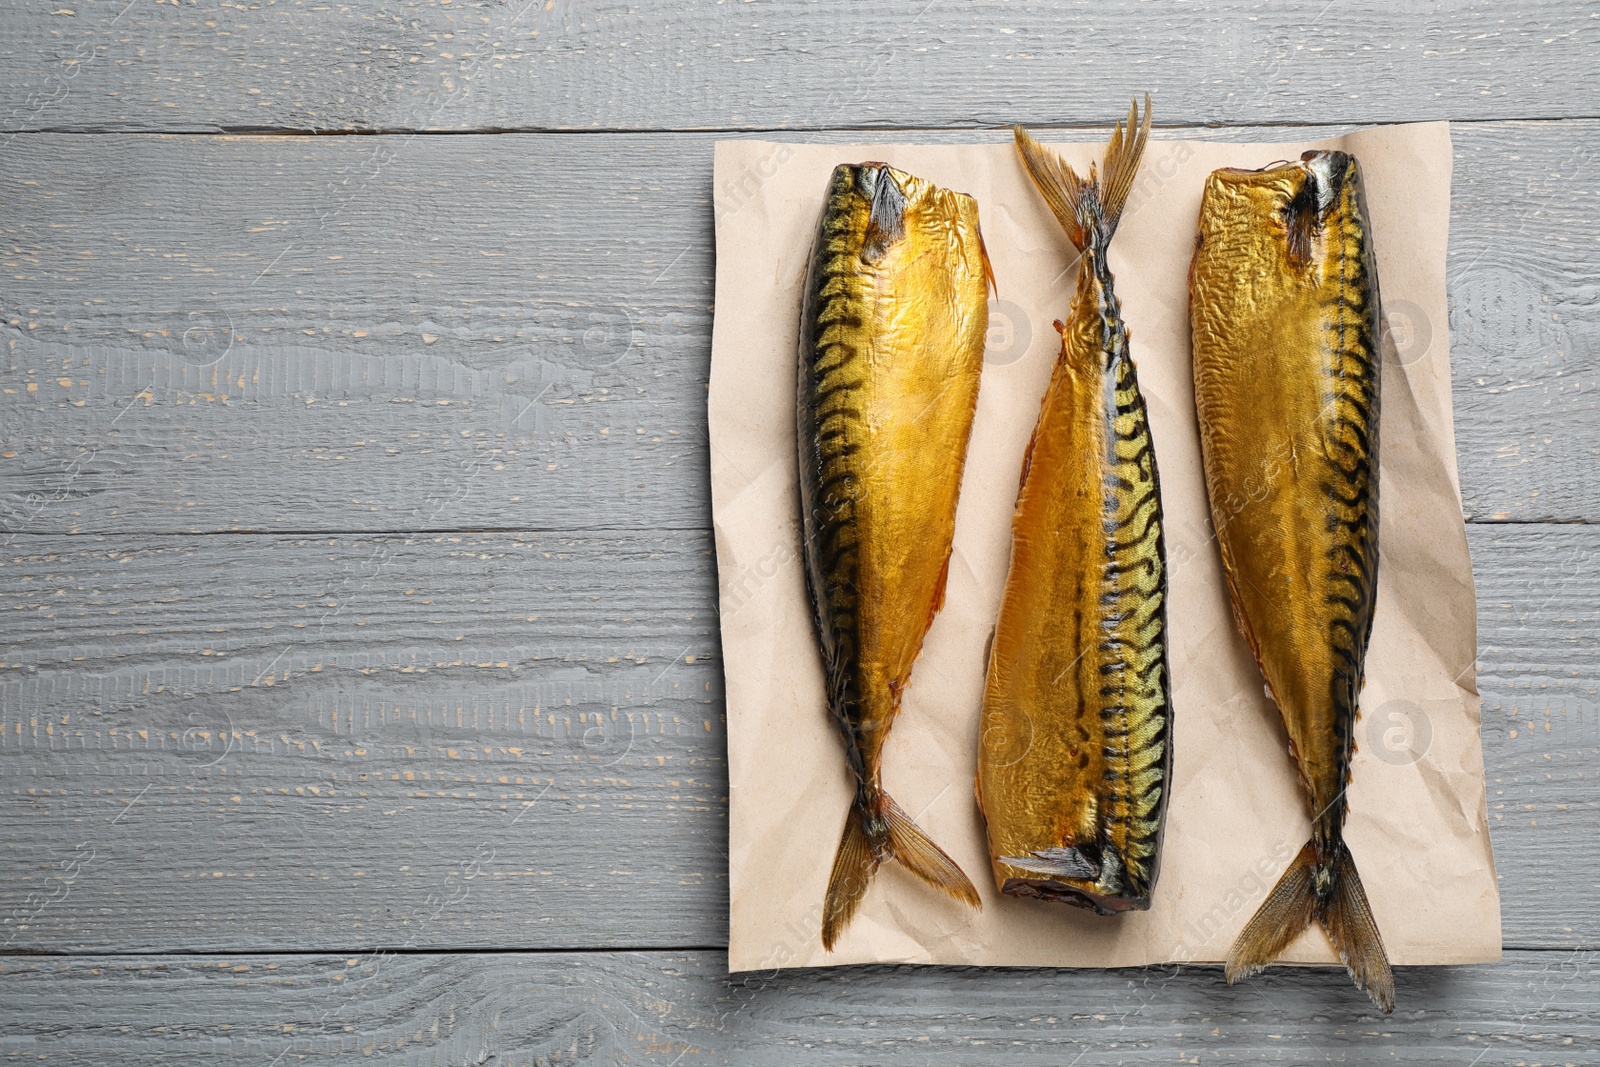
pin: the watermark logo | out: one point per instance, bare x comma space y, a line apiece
1010, 334
1206, 927
605, 738
1006, 737
55, 890
607, 335
206, 336
739, 189
1398, 733
746, 584
208, 737
1407, 332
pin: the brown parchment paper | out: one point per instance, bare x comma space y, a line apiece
1418, 825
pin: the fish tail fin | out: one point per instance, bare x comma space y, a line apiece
1122, 163
1057, 182
869, 841
918, 854
1348, 920
1088, 209
1288, 910
1343, 912
853, 867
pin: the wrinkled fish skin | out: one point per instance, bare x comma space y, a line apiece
1075, 751
892, 335
1285, 312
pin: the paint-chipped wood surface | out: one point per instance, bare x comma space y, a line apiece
584, 64
361, 693
363, 718
682, 1008
340, 333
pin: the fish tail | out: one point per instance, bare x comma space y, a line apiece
853, 867
1288, 910
1348, 920
867, 842
1089, 209
918, 854
1332, 895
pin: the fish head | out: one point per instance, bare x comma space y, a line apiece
1085, 876
1289, 202
899, 211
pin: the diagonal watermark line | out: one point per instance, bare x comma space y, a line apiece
924, 809
529, 405
274, 663
674, 263
129, 806
530, 803
143, 394
671, 665
265, 270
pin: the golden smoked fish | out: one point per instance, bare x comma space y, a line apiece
891, 350
1075, 745
1285, 313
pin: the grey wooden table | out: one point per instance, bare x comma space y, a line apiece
359, 688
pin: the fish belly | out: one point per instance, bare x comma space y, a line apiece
1073, 746
1286, 385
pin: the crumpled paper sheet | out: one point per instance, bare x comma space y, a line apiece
1418, 824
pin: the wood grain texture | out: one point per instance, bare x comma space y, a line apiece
1539, 673
501, 741
1524, 256
211, 742
681, 1009
513, 332
354, 333
285, 743
561, 64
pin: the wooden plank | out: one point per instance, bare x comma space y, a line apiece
352, 337
1538, 634
681, 1009
1522, 345
513, 332
299, 743
558, 64
248, 743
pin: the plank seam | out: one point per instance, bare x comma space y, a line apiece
752, 131
14, 535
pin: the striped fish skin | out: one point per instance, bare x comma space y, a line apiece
1285, 312
892, 338
1075, 750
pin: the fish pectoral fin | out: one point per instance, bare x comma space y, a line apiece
918, 854
886, 217
1069, 862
